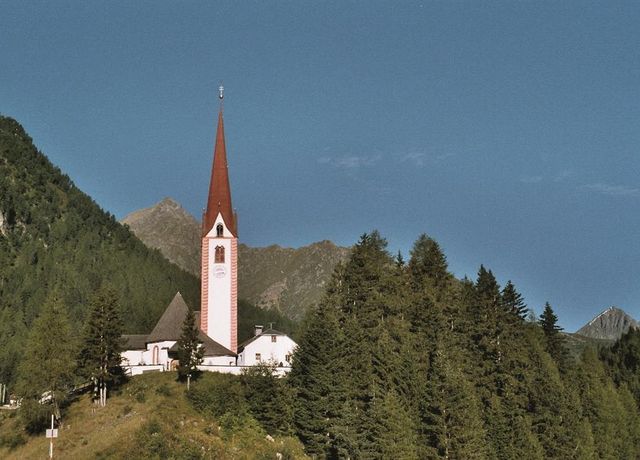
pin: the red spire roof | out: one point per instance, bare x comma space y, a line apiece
219, 190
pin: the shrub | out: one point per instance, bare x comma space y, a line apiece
218, 394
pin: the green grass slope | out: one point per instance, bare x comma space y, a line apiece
149, 418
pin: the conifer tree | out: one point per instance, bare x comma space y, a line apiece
451, 413
100, 357
513, 301
555, 343
393, 434
316, 378
190, 352
428, 266
46, 372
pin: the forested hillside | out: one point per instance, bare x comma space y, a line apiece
53, 237
400, 360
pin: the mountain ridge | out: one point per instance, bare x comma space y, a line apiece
288, 280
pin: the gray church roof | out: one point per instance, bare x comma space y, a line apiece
169, 327
135, 341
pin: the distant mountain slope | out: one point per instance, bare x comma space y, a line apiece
285, 279
608, 325
289, 280
169, 228
55, 238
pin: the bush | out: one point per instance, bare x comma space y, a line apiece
12, 440
218, 394
35, 417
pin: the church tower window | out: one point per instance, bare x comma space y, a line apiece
219, 255
219, 230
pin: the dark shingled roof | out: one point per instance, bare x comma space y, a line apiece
211, 347
266, 332
135, 341
169, 325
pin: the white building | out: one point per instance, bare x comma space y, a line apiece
267, 347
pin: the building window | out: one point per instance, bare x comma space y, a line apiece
273, 338
258, 357
219, 230
155, 355
219, 255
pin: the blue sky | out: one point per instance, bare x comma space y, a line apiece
508, 131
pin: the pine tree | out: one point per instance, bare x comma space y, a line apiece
555, 343
190, 353
393, 434
451, 413
513, 301
316, 380
46, 372
100, 357
428, 267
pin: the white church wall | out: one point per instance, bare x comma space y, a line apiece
219, 361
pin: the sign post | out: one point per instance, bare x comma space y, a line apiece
52, 433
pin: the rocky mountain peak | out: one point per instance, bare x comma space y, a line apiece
168, 227
608, 325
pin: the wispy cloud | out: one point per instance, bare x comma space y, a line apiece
563, 176
612, 189
350, 161
421, 159
531, 179
417, 158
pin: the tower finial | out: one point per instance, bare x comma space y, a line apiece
221, 92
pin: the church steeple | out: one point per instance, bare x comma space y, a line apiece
219, 200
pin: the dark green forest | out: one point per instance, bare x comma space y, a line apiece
401, 360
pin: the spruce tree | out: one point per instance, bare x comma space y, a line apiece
100, 357
512, 300
316, 379
428, 267
46, 372
190, 353
555, 342
451, 413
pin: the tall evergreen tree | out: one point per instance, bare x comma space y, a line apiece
555, 342
47, 369
452, 413
190, 352
513, 301
100, 357
316, 380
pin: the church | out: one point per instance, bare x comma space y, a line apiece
218, 315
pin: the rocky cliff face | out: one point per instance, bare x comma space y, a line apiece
286, 279
608, 325
171, 229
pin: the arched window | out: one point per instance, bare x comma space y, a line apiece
156, 352
219, 230
219, 255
